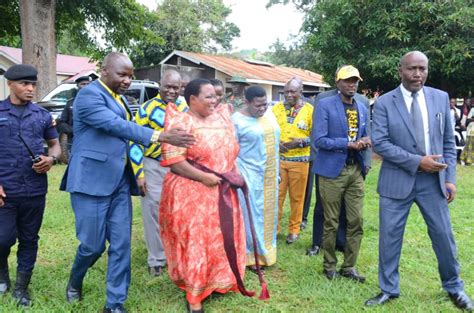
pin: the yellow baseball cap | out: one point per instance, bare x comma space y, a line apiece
347, 71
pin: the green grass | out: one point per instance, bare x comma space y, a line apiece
295, 282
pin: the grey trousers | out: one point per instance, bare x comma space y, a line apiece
393, 218
154, 176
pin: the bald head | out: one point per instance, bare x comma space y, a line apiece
413, 54
293, 90
117, 72
114, 59
413, 70
170, 85
296, 82
185, 79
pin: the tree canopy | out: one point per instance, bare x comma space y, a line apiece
373, 35
291, 54
198, 26
93, 27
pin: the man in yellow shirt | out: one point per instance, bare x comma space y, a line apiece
295, 119
146, 165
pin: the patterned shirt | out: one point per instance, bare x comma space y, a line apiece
295, 122
352, 126
151, 114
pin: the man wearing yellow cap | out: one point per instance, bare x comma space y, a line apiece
341, 137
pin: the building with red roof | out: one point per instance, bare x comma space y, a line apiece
68, 67
271, 77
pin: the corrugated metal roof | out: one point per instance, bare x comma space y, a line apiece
257, 72
65, 64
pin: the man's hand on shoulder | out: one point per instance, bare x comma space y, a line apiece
430, 164
2, 196
450, 192
178, 137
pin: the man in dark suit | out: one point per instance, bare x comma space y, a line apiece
412, 132
100, 177
340, 137
65, 121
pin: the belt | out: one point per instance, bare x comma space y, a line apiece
351, 162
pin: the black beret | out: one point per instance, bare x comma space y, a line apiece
82, 79
22, 72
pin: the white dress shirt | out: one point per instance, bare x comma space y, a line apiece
424, 113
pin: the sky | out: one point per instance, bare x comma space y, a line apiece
259, 27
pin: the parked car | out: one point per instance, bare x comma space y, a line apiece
139, 91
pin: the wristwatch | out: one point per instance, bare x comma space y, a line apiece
155, 137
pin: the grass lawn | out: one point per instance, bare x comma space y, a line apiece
296, 283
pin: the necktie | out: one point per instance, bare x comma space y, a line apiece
417, 121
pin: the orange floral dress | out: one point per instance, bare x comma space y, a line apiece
189, 212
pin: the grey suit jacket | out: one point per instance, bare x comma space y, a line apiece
393, 139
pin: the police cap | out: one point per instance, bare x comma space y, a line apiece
83, 79
22, 72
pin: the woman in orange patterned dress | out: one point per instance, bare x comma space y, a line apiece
189, 209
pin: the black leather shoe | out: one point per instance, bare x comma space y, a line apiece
331, 275
292, 238
461, 300
380, 299
352, 274
303, 225
119, 309
73, 294
314, 250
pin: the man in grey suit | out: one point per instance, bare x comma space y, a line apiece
413, 134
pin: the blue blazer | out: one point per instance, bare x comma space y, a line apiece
359, 98
99, 156
393, 138
330, 136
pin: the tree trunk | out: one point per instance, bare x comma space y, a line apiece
39, 41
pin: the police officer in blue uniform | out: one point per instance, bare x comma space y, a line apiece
23, 182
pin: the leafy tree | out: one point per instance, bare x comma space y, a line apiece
296, 54
373, 35
94, 26
9, 24
186, 25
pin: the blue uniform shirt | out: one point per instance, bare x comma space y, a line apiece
35, 125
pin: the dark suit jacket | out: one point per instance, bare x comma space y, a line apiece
331, 136
393, 138
99, 156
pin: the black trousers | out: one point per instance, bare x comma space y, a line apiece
318, 216
21, 218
